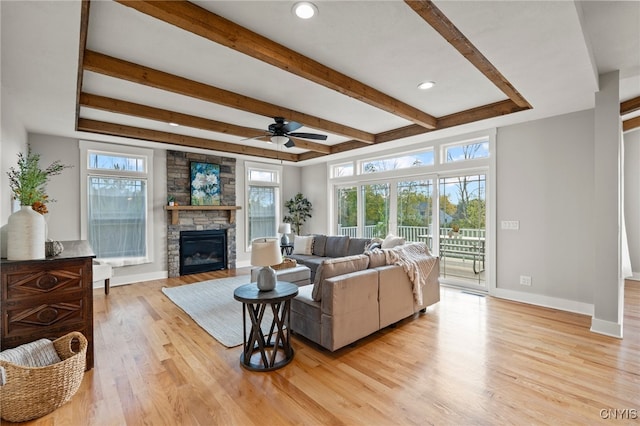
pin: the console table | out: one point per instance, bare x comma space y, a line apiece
48, 298
268, 355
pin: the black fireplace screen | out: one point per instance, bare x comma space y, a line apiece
202, 251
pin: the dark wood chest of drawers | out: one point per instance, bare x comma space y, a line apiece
48, 298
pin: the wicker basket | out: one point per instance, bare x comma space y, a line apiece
32, 392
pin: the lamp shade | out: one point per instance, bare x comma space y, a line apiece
284, 228
265, 252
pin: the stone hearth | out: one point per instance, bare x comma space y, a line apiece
197, 220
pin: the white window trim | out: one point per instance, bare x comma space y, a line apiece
248, 167
85, 148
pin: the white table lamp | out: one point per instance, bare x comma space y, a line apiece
284, 229
266, 252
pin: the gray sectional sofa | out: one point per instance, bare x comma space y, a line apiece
355, 295
329, 247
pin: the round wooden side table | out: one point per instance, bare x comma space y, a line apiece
271, 350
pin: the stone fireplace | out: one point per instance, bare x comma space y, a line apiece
178, 169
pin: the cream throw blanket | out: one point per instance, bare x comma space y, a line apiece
417, 262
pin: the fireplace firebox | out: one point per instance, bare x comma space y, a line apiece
203, 251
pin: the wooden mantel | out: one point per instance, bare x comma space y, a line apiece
175, 211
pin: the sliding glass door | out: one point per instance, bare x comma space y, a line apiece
462, 239
414, 208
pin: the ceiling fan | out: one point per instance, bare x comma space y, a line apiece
281, 132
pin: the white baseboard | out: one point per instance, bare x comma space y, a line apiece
635, 276
243, 264
546, 301
608, 328
130, 279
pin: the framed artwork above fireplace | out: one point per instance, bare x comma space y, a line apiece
205, 184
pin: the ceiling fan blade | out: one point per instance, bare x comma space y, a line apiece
290, 144
291, 126
309, 136
254, 138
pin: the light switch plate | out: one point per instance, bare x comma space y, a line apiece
511, 225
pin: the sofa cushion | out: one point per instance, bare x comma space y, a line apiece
303, 245
336, 246
333, 267
377, 258
319, 243
357, 245
391, 241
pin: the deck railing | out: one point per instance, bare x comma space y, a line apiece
410, 233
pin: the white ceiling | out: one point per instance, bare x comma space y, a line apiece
550, 51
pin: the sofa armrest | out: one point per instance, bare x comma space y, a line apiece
349, 308
431, 290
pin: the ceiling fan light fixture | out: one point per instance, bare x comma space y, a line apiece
279, 140
426, 85
304, 10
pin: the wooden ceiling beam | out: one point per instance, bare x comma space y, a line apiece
120, 106
483, 112
112, 129
631, 123
143, 111
192, 18
630, 106
118, 68
436, 19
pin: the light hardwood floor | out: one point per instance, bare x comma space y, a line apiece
468, 360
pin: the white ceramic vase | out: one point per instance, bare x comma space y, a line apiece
25, 235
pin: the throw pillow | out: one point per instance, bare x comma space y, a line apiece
334, 267
357, 245
39, 353
303, 245
391, 241
374, 244
336, 246
319, 243
376, 258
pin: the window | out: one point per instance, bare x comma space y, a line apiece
263, 199
341, 170
466, 151
405, 161
117, 212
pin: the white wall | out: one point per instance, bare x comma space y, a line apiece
13, 139
545, 180
63, 220
314, 184
632, 197
64, 214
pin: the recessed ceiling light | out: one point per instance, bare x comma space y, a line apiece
173, 124
426, 85
304, 9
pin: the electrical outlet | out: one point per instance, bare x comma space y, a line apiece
525, 280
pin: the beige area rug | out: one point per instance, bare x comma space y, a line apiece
212, 307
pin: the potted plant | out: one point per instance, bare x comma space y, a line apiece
26, 227
171, 200
299, 211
